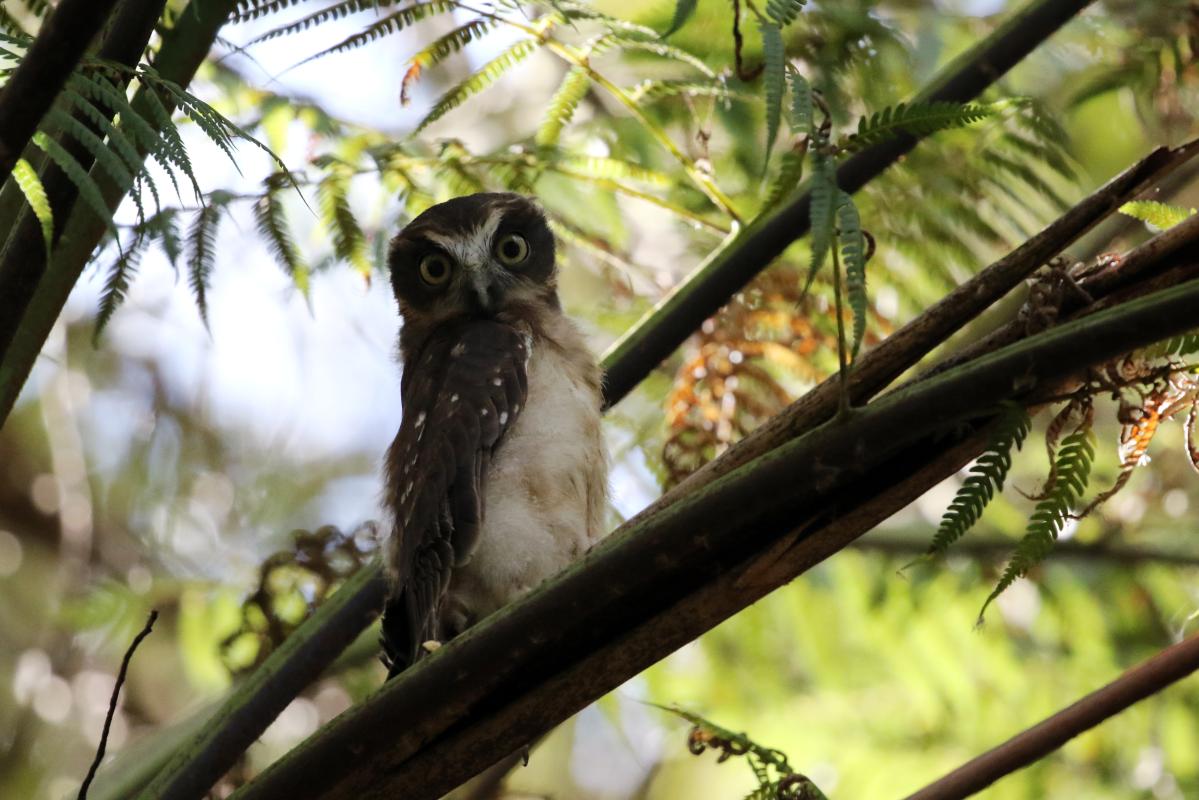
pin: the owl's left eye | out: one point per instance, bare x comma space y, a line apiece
512, 249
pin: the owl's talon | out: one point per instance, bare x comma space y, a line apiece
431, 646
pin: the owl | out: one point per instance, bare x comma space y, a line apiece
497, 478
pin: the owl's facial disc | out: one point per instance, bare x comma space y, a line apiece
483, 259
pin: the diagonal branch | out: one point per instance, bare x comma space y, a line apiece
41, 74
730, 268
667, 577
1144, 680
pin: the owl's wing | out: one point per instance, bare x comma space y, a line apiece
461, 393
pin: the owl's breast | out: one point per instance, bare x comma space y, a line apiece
546, 488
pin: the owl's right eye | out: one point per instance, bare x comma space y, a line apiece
435, 269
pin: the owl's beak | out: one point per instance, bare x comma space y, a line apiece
486, 294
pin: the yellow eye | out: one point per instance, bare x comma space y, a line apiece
512, 249
435, 269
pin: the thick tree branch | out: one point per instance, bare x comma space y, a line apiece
729, 269
183, 49
41, 74
991, 548
24, 257
1144, 680
621, 609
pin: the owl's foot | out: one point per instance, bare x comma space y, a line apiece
431, 646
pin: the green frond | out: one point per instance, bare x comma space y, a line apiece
1025, 174
201, 255
105, 156
1048, 152
349, 242
650, 90
562, 106
802, 117
488, 74
25, 176
253, 9
790, 173
1160, 215
571, 11
985, 479
89, 191
9, 24
853, 255
436, 52
271, 222
614, 169
774, 61
657, 48
683, 10
170, 143
121, 143
1182, 345
784, 12
395, 22
1073, 468
824, 195
164, 226
918, 118
116, 286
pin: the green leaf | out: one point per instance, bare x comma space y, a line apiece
654, 47
89, 191
201, 257
803, 115
488, 74
1073, 469
789, 174
784, 12
824, 194
349, 242
271, 222
116, 286
683, 10
985, 479
853, 255
1162, 216
562, 106
393, 23
918, 118
25, 176
773, 79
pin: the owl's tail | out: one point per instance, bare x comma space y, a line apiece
402, 636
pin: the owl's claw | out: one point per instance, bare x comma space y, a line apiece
431, 646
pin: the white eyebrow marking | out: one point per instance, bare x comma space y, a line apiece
472, 250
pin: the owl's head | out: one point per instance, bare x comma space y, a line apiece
483, 255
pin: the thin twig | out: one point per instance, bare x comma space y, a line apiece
112, 703
738, 41
1144, 680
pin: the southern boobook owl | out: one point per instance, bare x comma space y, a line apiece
497, 478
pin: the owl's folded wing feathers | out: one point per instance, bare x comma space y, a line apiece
461, 395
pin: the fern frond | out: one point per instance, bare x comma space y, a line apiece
1160, 215
918, 118
9, 24
271, 222
774, 61
124, 147
614, 169
986, 477
784, 12
397, 21
790, 173
650, 90
89, 191
1025, 174
1073, 467
253, 9
824, 194
201, 255
165, 226
349, 242
488, 74
1190, 439
170, 143
683, 11
657, 48
116, 286
562, 106
1182, 345
25, 176
853, 255
802, 116
105, 156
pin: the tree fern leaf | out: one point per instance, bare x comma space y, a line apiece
170, 143
1160, 215
349, 242
784, 12
657, 48
397, 21
853, 255
789, 174
1182, 345
1023, 173
488, 74
25, 176
562, 106
1073, 465
253, 9
824, 194
89, 191
614, 169
985, 479
116, 286
650, 90
918, 118
102, 120
271, 222
105, 157
683, 10
201, 255
773, 79
802, 116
